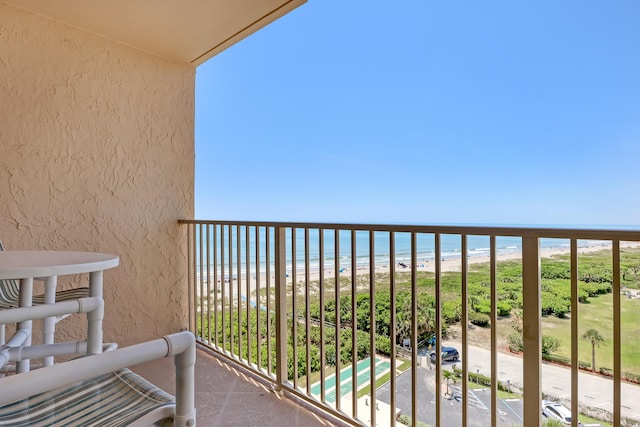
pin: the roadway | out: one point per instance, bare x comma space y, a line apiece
595, 391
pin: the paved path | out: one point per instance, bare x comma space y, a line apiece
593, 390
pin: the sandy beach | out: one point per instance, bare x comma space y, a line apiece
447, 264
455, 264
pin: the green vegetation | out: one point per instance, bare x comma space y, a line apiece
594, 311
255, 346
590, 420
406, 420
449, 377
594, 337
598, 315
425, 321
478, 379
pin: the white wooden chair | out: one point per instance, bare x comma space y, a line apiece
98, 390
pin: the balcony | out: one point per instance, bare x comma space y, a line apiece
226, 395
255, 288
98, 155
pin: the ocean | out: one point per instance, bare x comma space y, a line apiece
450, 248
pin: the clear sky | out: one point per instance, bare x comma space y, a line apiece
426, 112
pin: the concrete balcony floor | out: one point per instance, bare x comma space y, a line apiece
226, 396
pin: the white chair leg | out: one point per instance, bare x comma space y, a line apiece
49, 323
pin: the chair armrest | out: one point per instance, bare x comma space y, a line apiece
181, 346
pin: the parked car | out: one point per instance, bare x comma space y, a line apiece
556, 411
447, 354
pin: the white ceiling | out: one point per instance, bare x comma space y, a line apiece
184, 31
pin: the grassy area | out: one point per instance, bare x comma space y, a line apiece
588, 420
598, 314
405, 419
501, 394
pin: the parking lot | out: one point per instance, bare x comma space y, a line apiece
479, 414
479, 400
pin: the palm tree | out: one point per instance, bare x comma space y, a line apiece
595, 338
403, 326
426, 320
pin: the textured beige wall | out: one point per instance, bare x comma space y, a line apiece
97, 153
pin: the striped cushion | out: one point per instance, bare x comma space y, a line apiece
115, 399
64, 295
8, 291
10, 294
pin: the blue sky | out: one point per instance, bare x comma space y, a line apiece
426, 112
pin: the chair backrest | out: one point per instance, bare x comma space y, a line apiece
9, 291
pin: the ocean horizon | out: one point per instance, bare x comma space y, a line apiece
450, 248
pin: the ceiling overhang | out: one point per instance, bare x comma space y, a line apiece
183, 31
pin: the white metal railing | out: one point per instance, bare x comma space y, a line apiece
261, 294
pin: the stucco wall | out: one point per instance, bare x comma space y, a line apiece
97, 153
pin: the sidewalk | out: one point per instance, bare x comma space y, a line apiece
593, 390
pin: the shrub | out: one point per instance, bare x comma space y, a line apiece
383, 344
314, 335
583, 296
302, 361
362, 344
584, 365
557, 359
555, 270
549, 344
406, 420
504, 308
509, 291
593, 288
330, 355
634, 378
554, 304
479, 379
515, 342
483, 307
479, 319
606, 371
597, 277
565, 361
553, 422
314, 310
314, 359
451, 312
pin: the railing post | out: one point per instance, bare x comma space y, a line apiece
617, 337
281, 306
531, 333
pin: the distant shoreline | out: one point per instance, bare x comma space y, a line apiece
449, 264
455, 264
